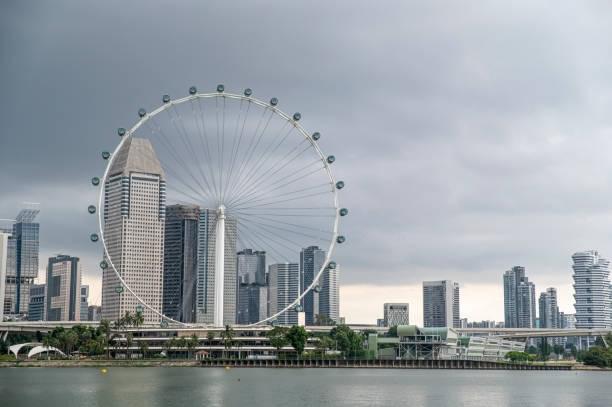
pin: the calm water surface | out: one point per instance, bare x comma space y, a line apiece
46, 387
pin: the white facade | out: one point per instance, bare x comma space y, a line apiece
3, 259
592, 290
134, 218
63, 299
284, 288
329, 296
396, 313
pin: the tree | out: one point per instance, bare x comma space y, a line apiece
597, 356
138, 319
392, 332
144, 348
519, 356
128, 344
105, 329
347, 340
210, 336
192, 342
297, 337
277, 337
228, 337
324, 343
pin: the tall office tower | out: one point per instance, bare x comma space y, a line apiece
134, 220
441, 304
311, 260
94, 313
329, 297
549, 309
396, 313
63, 300
567, 321
252, 301
592, 290
205, 298
4, 238
22, 262
36, 308
519, 299
283, 289
84, 302
181, 262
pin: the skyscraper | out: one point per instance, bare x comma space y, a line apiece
22, 262
311, 261
519, 299
63, 299
329, 297
36, 308
396, 313
441, 304
4, 238
181, 262
283, 289
549, 309
252, 302
134, 220
592, 290
84, 302
205, 299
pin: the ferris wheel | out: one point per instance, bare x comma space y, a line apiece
260, 178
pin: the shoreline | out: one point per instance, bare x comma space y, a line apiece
294, 364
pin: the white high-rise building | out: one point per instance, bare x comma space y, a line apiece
205, 298
549, 309
134, 218
284, 288
441, 304
592, 290
396, 313
4, 238
329, 296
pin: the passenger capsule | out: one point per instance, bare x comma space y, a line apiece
341, 239
317, 288
297, 116
166, 98
316, 136
193, 90
298, 308
91, 209
105, 155
331, 159
95, 181
331, 265
103, 264
248, 92
121, 131
343, 212
274, 101
93, 237
119, 289
340, 184
220, 88
142, 112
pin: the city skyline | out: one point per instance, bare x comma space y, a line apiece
522, 125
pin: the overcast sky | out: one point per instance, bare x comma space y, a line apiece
472, 136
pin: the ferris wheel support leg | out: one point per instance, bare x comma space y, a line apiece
219, 266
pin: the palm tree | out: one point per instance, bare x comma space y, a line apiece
128, 343
144, 348
138, 319
105, 329
192, 342
228, 337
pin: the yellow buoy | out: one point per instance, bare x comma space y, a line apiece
227, 368
103, 370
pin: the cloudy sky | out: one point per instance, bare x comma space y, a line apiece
473, 136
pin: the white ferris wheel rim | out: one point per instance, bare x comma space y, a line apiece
250, 99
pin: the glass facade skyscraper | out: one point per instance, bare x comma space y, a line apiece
22, 262
252, 301
283, 289
519, 299
441, 304
63, 299
312, 259
181, 262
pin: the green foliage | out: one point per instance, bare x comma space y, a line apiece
349, 342
297, 337
277, 337
520, 357
392, 332
597, 356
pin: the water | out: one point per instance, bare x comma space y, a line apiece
190, 387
